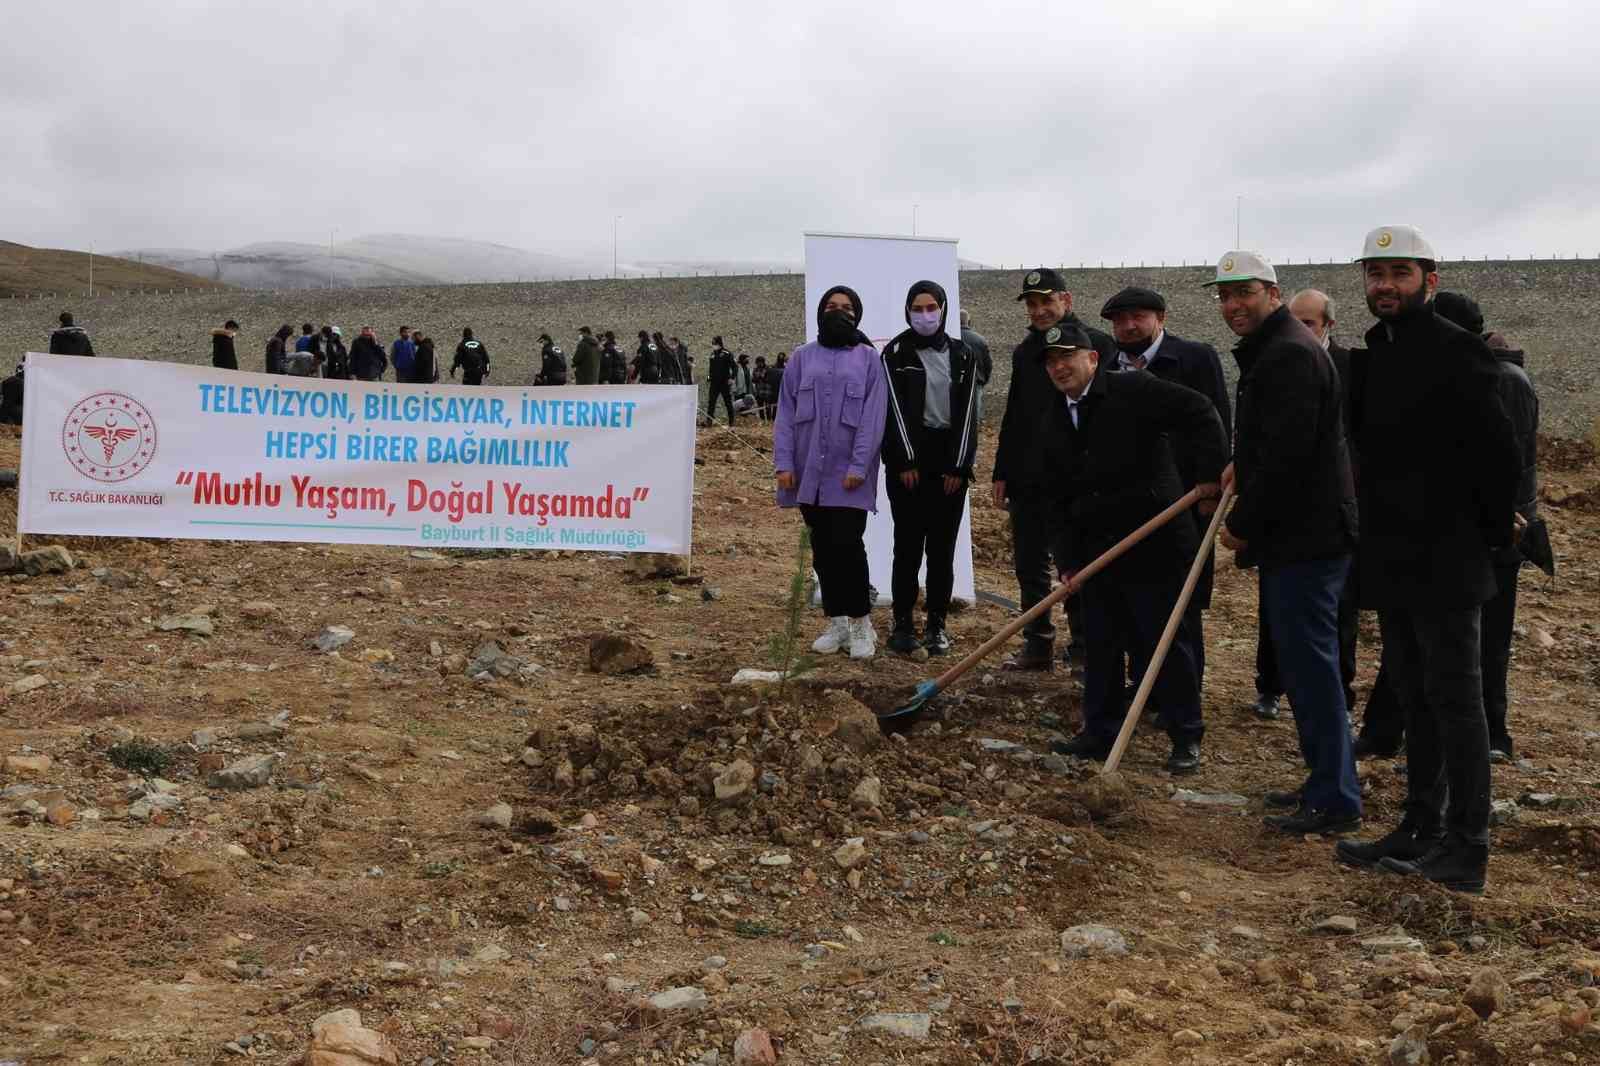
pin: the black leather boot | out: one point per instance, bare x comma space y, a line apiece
903, 638
1404, 844
934, 637
1451, 863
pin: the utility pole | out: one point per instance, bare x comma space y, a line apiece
331, 232
614, 220
913, 220
1238, 210
91, 271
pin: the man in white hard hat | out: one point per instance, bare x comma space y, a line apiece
1439, 468
1295, 519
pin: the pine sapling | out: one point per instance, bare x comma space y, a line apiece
784, 647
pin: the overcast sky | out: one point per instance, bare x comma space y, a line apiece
1032, 131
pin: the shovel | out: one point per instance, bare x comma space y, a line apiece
901, 718
1131, 722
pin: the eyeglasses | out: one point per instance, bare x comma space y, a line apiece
1225, 295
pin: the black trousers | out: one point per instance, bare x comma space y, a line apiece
1124, 613
1384, 724
839, 554
1433, 660
1499, 617
723, 392
1033, 523
926, 521
1269, 679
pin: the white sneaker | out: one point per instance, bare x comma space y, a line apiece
863, 638
834, 638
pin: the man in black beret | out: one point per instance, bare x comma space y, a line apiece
1021, 484
1138, 320
1108, 442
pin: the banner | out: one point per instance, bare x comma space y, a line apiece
880, 270
129, 448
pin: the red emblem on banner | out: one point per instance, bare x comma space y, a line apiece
109, 436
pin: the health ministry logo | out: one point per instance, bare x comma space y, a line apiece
109, 436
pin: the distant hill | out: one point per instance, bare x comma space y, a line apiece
30, 270
397, 259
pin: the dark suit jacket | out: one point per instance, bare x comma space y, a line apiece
1196, 365
1439, 464
1115, 470
1297, 498
1029, 395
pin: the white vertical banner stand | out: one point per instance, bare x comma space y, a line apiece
880, 269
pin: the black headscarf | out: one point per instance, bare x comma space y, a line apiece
830, 336
934, 289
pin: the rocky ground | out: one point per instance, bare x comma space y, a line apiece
244, 786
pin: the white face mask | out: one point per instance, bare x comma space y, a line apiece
926, 323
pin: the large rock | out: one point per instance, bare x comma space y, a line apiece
754, 1048
857, 726
686, 999
8, 557
492, 660
909, 1026
1410, 1048
52, 559
338, 1044
613, 654
22, 686
332, 638
1090, 941
1489, 992
734, 781
652, 564
198, 624
28, 764
252, 771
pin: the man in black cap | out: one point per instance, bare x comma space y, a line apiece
1138, 320
722, 370
1108, 442
1021, 482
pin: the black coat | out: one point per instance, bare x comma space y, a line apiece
906, 441
472, 359
368, 361
1017, 456
70, 340
613, 366
1522, 407
277, 354
1196, 366
1116, 470
552, 365
1297, 497
223, 357
721, 368
1439, 464
337, 364
424, 365
647, 364
978, 345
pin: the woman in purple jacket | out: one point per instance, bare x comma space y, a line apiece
825, 443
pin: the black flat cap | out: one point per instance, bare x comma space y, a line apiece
1134, 299
1042, 280
1065, 337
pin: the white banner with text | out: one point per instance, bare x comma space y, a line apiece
134, 448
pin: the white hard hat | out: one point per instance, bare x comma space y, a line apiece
1240, 265
1396, 242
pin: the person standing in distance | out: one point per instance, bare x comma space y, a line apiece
1439, 469
1020, 482
978, 345
929, 445
403, 354
586, 358
825, 450
69, 339
721, 381
223, 356
1295, 518
472, 359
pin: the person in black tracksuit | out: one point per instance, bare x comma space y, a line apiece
721, 380
552, 362
930, 442
472, 359
646, 367
613, 367
1021, 483
666, 361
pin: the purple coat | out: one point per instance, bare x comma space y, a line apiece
831, 410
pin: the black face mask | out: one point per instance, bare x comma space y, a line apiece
837, 330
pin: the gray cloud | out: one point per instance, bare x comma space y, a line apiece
719, 130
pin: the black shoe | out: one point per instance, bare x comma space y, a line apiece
1307, 820
1185, 757
1450, 863
1403, 843
1082, 746
1501, 749
1367, 748
903, 638
1285, 798
934, 637
1265, 708
1035, 655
